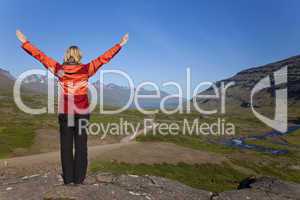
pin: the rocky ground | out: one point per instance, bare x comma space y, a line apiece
106, 186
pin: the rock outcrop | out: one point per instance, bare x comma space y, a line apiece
127, 187
264, 188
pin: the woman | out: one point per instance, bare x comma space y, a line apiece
73, 78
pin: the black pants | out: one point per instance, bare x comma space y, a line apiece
74, 167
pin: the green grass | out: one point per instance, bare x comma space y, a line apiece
267, 143
194, 142
293, 138
210, 177
13, 137
293, 145
272, 168
245, 124
17, 129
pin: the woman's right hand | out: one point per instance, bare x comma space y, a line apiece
124, 39
21, 36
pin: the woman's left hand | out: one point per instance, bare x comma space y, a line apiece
21, 36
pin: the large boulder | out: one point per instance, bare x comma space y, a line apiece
264, 188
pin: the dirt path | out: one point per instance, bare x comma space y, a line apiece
130, 152
37, 162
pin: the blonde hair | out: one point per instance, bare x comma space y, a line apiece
73, 55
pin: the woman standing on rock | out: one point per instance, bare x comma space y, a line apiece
73, 102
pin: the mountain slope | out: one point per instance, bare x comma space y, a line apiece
6, 80
238, 96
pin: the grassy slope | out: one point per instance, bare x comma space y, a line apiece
17, 129
213, 177
206, 176
242, 163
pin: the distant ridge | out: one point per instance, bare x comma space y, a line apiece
6, 80
113, 94
238, 96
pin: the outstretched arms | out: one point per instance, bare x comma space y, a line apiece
53, 65
95, 64
48, 62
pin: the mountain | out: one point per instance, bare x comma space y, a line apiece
33, 84
238, 96
36, 83
115, 95
6, 80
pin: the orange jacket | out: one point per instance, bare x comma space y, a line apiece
73, 79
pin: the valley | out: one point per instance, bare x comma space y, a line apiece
212, 162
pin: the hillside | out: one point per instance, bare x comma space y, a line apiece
6, 80
238, 96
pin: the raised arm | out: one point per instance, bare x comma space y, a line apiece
95, 64
48, 62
